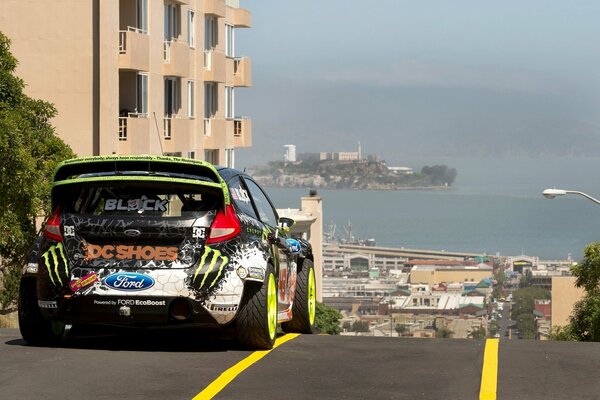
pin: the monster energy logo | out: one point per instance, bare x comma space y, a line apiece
208, 267
55, 260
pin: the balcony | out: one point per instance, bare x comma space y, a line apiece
133, 135
215, 7
176, 58
214, 66
242, 18
134, 49
216, 136
242, 72
177, 132
242, 132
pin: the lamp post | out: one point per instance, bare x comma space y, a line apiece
552, 193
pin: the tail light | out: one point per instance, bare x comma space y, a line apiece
52, 228
225, 226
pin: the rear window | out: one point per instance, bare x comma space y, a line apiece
139, 200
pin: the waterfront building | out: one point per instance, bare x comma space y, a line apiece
309, 226
136, 76
433, 274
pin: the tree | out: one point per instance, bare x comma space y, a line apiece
401, 328
561, 333
327, 319
585, 320
360, 326
443, 332
478, 333
29, 153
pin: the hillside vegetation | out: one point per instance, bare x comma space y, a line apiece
370, 175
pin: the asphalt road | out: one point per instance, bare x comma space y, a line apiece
170, 366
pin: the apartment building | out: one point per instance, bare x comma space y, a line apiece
136, 76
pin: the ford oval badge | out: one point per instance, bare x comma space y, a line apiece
132, 232
129, 281
294, 246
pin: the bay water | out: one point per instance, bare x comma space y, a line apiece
495, 206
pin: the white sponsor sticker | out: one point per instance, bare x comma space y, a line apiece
198, 233
141, 204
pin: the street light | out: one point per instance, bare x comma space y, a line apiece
554, 192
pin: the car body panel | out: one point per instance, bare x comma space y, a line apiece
135, 254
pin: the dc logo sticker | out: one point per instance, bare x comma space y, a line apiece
198, 233
69, 231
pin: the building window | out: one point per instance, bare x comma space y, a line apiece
210, 99
210, 33
191, 34
172, 23
229, 102
229, 41
230, 158
142, 95
142, 15
191, 99
211, 156
192, 154
171, 96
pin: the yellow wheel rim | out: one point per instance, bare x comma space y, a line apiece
312, 296
272, 306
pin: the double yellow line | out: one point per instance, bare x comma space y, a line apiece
228, 376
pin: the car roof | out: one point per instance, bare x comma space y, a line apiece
228, 173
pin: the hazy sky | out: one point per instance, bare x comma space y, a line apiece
422, 78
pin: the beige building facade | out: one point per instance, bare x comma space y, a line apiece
136, 76
564, 297
431, 275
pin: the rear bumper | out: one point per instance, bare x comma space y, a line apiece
131, 311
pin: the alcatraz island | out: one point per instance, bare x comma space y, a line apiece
348, 170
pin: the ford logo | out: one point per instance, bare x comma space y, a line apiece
294, 246
132, 232
129, 281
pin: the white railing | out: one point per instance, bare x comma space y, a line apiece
238, 129
122, 42
232, 3
122, 128
123, 37
207, 127
167, 128
208, 59
137, 115
167, 52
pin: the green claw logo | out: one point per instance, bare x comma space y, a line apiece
56, 261
265, 233
207, 267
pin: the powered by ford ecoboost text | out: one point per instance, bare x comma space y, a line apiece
153, 240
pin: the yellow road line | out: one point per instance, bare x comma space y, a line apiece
489, 373
228, 376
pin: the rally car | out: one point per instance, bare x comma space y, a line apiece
155, 241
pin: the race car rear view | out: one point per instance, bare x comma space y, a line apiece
156, 241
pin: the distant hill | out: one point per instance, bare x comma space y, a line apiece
369, 175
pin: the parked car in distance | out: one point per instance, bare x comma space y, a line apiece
165, 241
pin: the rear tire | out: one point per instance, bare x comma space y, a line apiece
305, 301
256, 322
35, 329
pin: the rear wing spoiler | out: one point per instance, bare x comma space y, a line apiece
139, 168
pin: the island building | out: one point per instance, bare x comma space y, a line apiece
290, 153
136, 76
